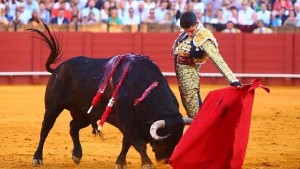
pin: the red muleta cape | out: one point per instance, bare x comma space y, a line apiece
218, 136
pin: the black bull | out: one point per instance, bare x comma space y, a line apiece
74, 83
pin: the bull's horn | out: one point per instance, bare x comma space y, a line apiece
154, 127
187, 120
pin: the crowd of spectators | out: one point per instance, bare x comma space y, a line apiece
223, 14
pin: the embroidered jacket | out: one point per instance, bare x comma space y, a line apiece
196, 50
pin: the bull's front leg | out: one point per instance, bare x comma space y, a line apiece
132, 136
121, 160
75, 126
141, 147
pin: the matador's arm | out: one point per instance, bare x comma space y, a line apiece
213, 52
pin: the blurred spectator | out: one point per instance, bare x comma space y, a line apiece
297, 10
291, 21
112, 3
99, 4
67, 13
113, 17
279, 17
74, 20
253, 4
246, 14
161, 11
199, 16
59, 3
24, 15
11, 9
32, 5
60, 19
142, 11
17, 21
286, 4
217, 4
91, 8
35, 20
3, 19
131, 18
75, 12
131, 3
230, 28
209, 12
167, 19
49, 4
92, 18
189, 6
198, 5
104, 12
180, 5
175, 13
44, 14
81, 4
149, 4
226, 8
264, 14
233, 15
151, 18
219, 19
261, 28
122, 12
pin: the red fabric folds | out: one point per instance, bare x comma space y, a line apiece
218, 136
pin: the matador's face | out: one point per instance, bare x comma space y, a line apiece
191, 31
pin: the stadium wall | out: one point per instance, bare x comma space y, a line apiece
273, 58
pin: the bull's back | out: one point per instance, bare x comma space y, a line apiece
75, 77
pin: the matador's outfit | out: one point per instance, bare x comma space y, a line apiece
190, 53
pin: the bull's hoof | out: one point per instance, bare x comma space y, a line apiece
120, 166
76, 159
37, 162
148, 166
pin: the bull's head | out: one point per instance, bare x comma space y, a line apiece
166, 135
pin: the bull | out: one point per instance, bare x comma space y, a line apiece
155, 119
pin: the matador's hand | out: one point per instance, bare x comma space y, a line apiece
237, 84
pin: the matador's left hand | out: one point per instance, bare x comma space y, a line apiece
237, 84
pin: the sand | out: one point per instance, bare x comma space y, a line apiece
274, 134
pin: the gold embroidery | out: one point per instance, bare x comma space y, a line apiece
183, 49
218, 61
203, 35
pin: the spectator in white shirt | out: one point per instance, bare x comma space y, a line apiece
264, 14
91, 8
161, 11
142, 12
11, 9
44, 13
32, 5
131, 3
246, 14
24, 14
131, 18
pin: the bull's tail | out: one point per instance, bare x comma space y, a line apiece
53, 44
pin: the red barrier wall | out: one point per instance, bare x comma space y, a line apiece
244, 53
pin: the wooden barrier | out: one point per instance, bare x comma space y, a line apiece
244, 53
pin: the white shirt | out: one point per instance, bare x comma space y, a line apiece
135, 20
86, 11
245, 16
265, 16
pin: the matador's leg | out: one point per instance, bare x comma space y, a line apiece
189, 84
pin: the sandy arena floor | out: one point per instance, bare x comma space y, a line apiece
274, 136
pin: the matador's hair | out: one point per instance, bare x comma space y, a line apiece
188, 19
